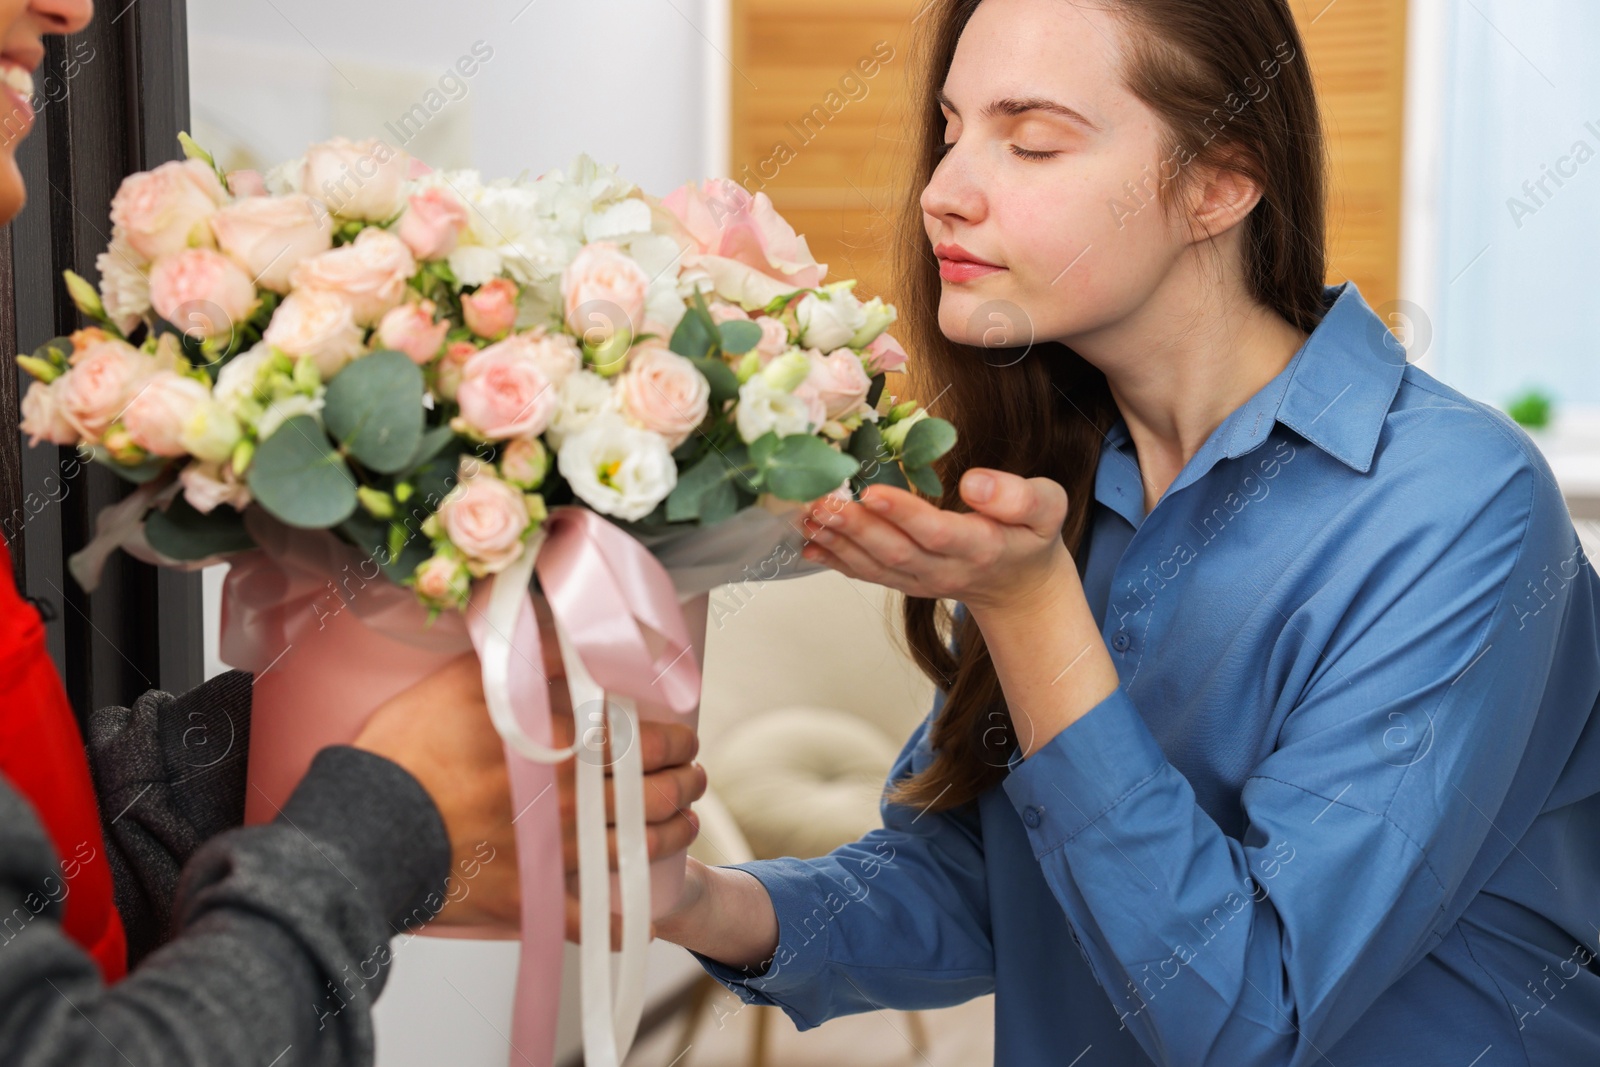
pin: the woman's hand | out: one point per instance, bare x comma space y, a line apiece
997, 557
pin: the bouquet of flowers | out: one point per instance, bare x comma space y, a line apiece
451, 385
425, 362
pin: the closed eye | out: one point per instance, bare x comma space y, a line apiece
1026, 153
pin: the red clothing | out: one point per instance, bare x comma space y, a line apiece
42, 754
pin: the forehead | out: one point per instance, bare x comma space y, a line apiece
1060, 49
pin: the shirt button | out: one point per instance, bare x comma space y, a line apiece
1030, 815
1120, 641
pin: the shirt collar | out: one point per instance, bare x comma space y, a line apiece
1335, 392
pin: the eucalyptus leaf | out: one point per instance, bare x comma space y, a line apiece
429, 445
137, 473
803, 467
713, 475
739, 336
875, 390
724, 383
300, 478
926, 441
374, 408
182, 533
696, 335
925, 480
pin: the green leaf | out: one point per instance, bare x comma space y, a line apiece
724, 383
374, 408
180, 532
926, 441
739, 336
719, 503
708, 482
803, 467
866, 443
925, 480
300, 478
372, 536
696, 335
886, 472
430, 445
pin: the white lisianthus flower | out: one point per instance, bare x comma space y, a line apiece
240, 376
211, 432
580, 398
764, 407
830, 318
618, 469
879, 317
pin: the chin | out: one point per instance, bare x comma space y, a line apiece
982, 320
13, 194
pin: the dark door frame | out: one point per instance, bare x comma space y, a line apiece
109, 101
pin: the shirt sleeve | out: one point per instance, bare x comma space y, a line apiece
898, 919
1390, 774
283, 933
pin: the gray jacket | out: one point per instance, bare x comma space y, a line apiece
278, 933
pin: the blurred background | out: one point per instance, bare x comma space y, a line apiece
1465, 204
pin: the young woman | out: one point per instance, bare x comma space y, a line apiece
1268, 735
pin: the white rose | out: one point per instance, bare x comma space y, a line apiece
318, 323
831, 321
356, 179
764, 408
618, 469
370, 272
269, 235
237, 379
581, 397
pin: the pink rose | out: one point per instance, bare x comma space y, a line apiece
774, 338
603, 290
524, 462
156, 415
316, 323
884, 355
356, 179
448, 375
556, 353
433, 221
269, 235
208, 485
243, 183
42, 418
410, 328
201, 291
662, 391
165, 210
491, 311
104, 377
442, 582
370, 272
838, 380
741, 242
485, 518
721, 312
504, 394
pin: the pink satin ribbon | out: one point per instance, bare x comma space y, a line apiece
621, 614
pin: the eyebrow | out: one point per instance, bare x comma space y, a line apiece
1011, 105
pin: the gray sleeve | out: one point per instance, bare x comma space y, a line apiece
282, 933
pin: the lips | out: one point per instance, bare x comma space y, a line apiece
956, 264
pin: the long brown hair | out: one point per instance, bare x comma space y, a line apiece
1194, 62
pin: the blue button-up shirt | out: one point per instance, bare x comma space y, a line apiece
1344, 806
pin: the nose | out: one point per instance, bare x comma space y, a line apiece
954, 191
62, 16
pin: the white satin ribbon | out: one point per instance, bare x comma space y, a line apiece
610, 1015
